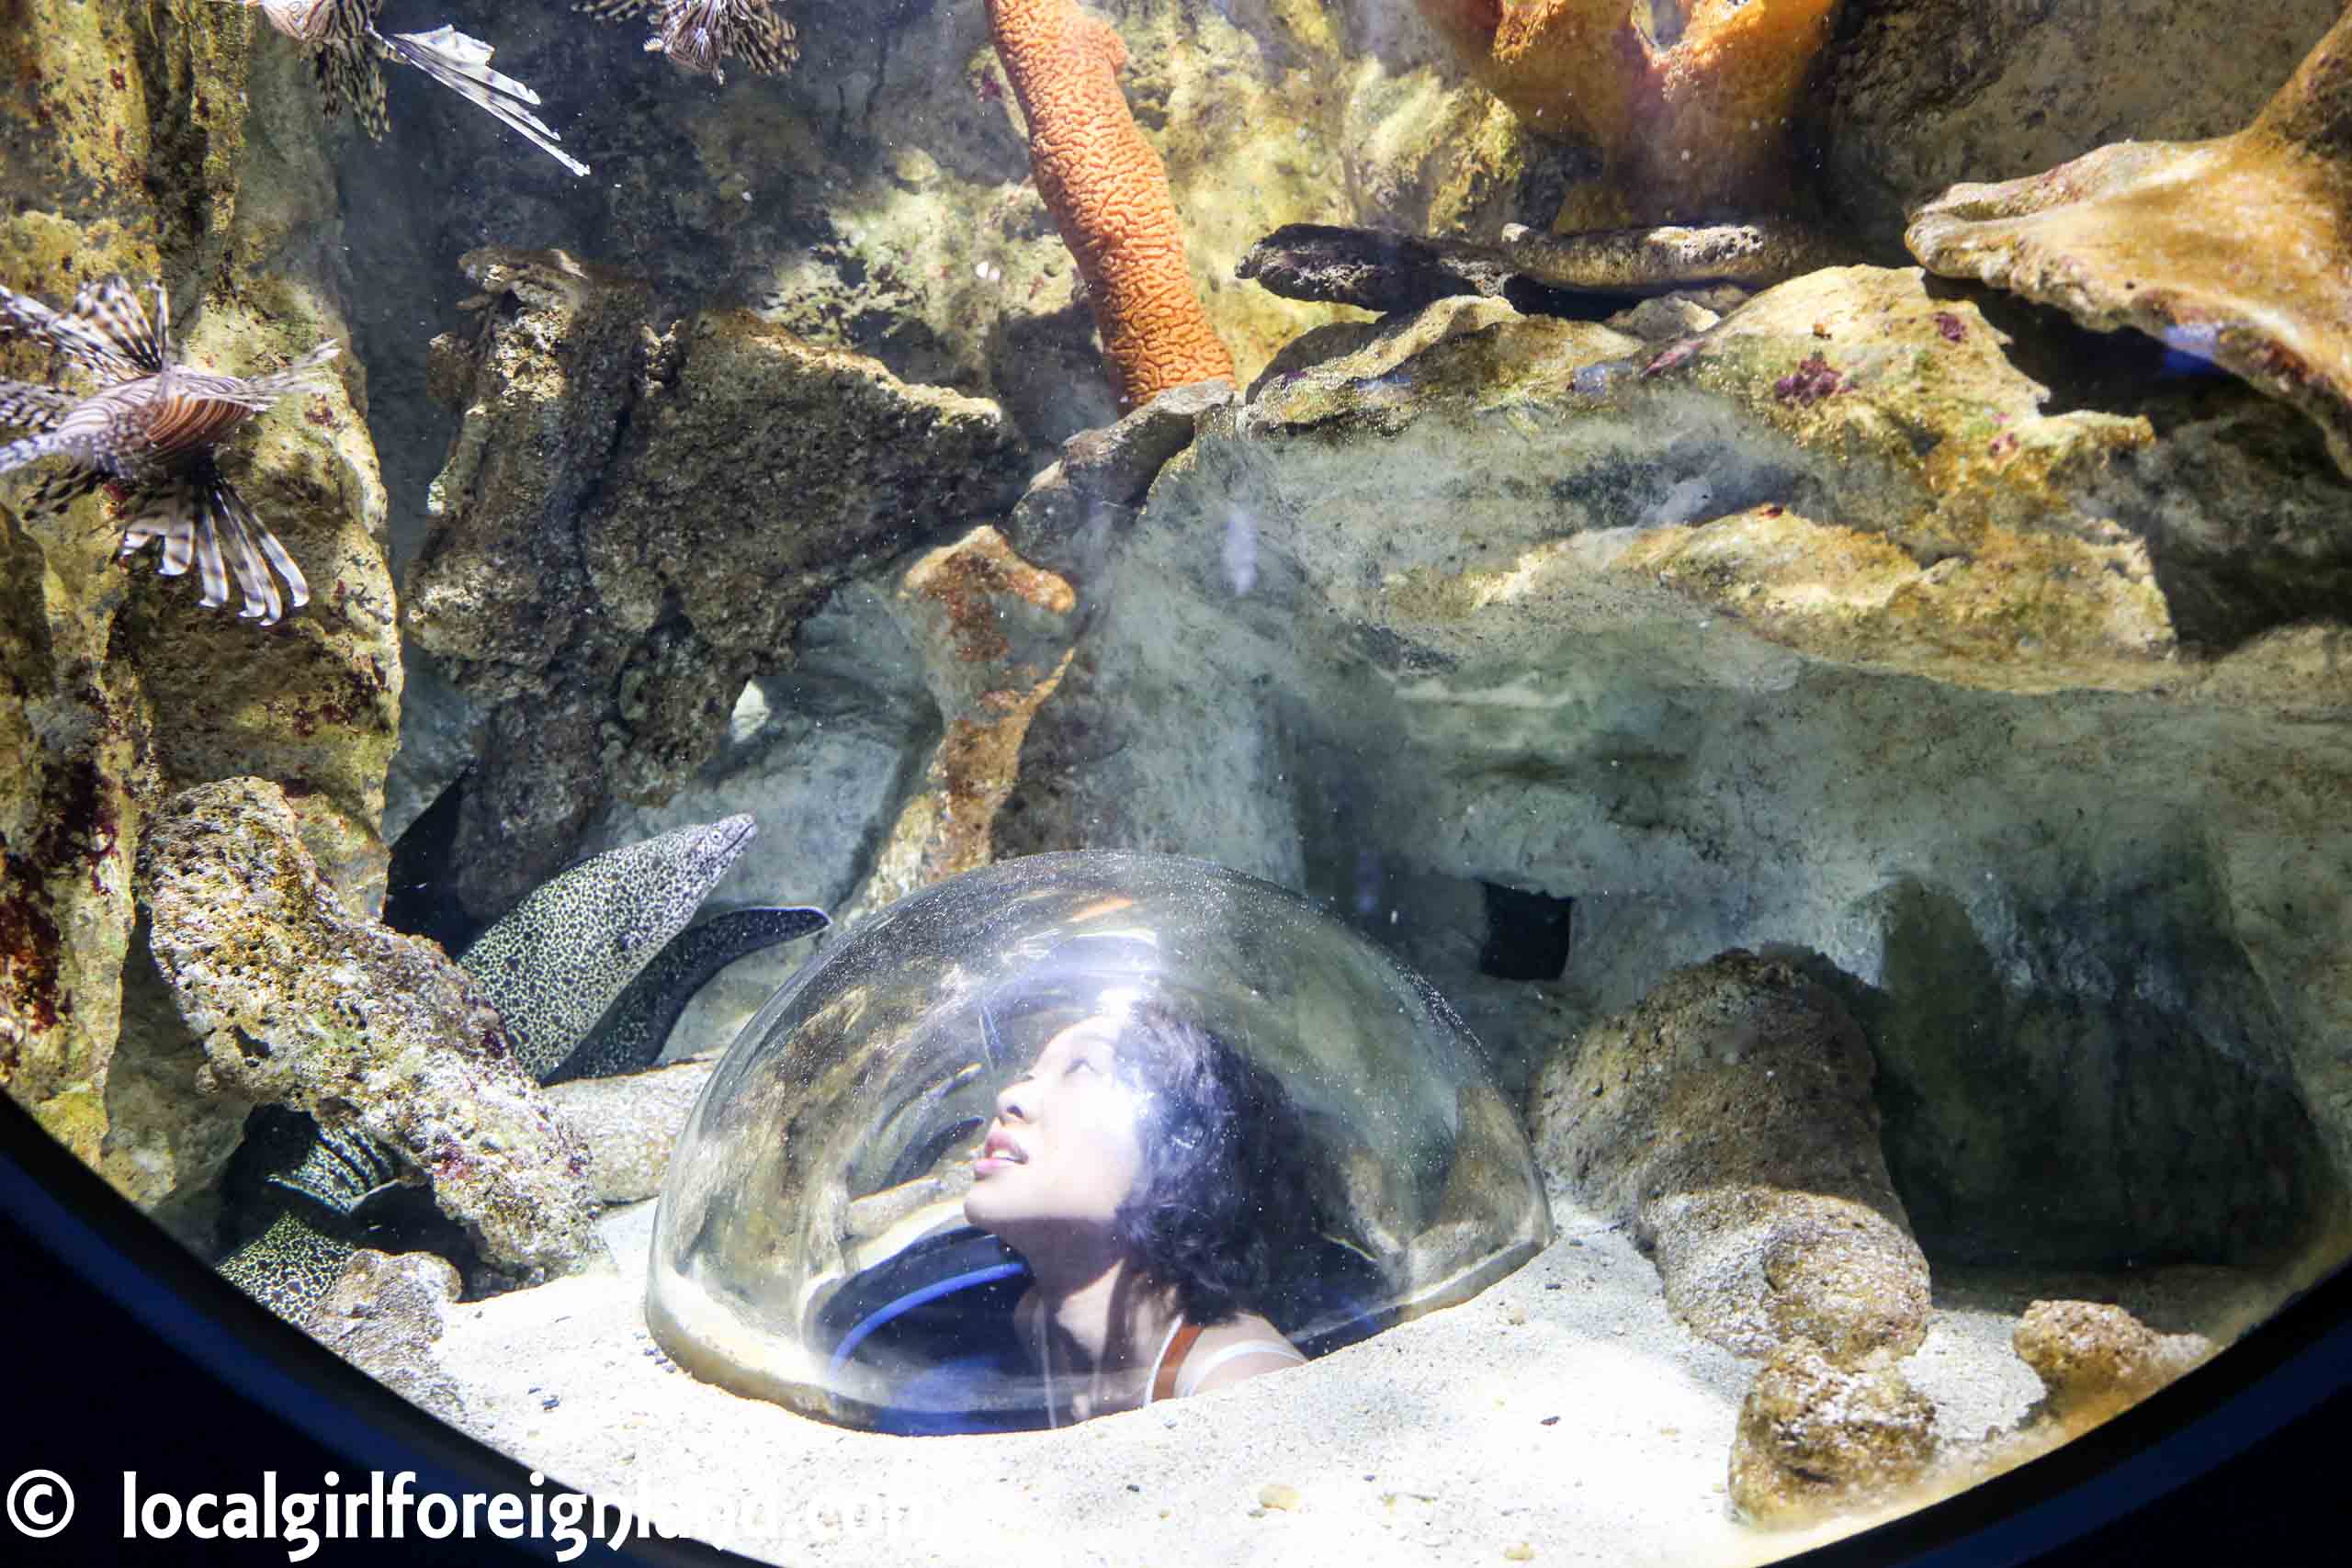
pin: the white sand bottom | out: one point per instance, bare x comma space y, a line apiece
1562, 1413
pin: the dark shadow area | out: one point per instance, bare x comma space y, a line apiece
1528, 934
2122, 1111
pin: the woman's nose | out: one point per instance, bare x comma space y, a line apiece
1012, 1101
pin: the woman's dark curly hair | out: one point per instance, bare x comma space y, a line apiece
1218, 1208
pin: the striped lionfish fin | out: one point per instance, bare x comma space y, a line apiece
58, 492
301, 376
254, 550
113, 310
462, 66
204, 523
68, 333
612, 10
346, 69
26, 405
760, 38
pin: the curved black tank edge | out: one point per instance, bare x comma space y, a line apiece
130, 1354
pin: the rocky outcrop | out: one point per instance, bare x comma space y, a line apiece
302, 1001
740, 476
1867, 619
1916, 95
2095, 1359
626, 1127
2111, 240
994, 634
383, 1315
1729, 1121
131, 143
1815, 1439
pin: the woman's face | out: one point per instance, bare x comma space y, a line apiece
1065, 1146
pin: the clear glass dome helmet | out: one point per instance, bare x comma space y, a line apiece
811, 1245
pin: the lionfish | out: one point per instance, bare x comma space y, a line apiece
150, 429
699, 34
347, 50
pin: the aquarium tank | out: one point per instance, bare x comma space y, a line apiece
1181, 780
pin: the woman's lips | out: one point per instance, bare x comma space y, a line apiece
998, 1152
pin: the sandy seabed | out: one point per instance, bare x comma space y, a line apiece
1561, 1417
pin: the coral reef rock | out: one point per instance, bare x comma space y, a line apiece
1860, 620
1687, 105
1729, 1120
741, 475
115, 688
1816, 1438
301, 1002
994, 635
2237, 249
626, 1126
383, 1315
1913, 96
2095, 1359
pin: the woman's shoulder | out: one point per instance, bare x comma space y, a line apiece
1244, 1345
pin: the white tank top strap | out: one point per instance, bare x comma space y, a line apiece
1196, 1369
1152, 1382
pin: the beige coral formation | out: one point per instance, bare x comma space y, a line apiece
995, 632
1689, 111
1108, 191
2237, 249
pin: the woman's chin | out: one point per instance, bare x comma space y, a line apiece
979, 1211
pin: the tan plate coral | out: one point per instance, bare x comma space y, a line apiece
1687, 100
2238, 249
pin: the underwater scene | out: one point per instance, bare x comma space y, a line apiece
1371, 781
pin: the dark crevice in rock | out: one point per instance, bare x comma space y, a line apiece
1528, 934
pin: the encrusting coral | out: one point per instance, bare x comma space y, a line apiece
1109, 194
2237, 249
1689, 111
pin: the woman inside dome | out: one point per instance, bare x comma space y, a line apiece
1136, 1167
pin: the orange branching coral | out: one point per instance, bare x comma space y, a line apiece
1688, 119
1108, 192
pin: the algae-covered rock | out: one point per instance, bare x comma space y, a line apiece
1470, 602
740, 476
302, 1001
1917, 95
147, 141
1729, 1120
